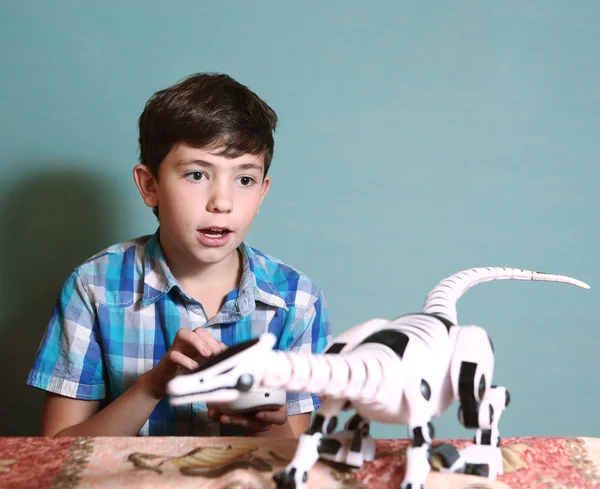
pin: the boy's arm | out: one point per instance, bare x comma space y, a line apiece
292, 427
299, 423
125, 416
267, 423
68, 363
69, 366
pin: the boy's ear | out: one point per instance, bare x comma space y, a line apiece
266, 184
146, 184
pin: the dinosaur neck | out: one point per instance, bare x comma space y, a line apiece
355, 376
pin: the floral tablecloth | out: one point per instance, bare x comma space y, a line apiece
240, 463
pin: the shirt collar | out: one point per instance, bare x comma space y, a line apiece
256, 284
256, 278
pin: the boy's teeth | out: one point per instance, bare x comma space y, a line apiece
214, 233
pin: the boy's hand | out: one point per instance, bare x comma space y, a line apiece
188, 350
254, 422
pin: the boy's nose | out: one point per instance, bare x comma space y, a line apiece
220, 201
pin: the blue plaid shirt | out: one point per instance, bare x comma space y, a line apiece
118, 312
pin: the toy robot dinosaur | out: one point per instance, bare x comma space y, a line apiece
405, 371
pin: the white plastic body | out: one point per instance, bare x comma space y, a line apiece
403, 371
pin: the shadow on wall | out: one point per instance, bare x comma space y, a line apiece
50, 223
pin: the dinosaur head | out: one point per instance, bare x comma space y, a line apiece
225, 376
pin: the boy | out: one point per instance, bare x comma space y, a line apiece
138, 313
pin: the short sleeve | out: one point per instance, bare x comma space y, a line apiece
309, 332
69, 359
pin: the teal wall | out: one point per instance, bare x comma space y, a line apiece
416, 139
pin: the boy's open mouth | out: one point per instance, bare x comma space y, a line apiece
214, 232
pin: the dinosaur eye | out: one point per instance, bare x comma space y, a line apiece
245, 382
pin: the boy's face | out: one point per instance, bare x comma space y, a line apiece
207, 202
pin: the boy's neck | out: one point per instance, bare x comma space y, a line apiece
199, 279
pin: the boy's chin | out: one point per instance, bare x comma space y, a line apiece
214, 255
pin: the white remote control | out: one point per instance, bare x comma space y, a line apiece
253, 400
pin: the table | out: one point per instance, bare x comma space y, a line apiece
247, 463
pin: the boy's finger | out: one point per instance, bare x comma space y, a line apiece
278, 416
215, 345
189, 338
214, 413
201, 343
179, 358
245, 422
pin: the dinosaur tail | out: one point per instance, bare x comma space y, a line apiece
442, 299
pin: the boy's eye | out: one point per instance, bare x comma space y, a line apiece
196, 176
245, 181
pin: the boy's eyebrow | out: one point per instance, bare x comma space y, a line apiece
205, 164
208, 164
250, 166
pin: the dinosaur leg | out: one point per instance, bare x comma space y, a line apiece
485, 456
353, 446
311, 445
421, 433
